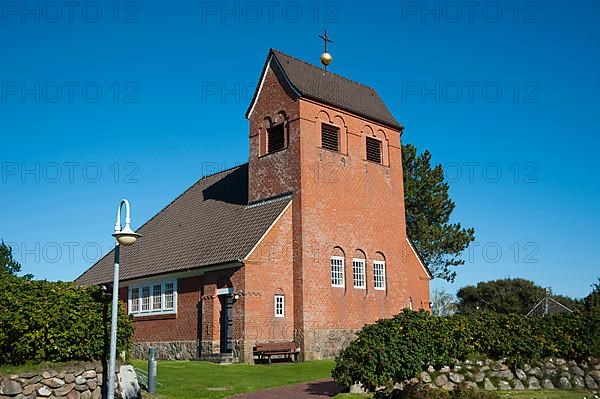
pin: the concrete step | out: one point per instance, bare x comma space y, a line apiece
219, 358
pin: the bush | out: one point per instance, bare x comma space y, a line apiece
420, 391
396, 349
56, 321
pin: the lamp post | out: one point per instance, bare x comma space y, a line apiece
125, 237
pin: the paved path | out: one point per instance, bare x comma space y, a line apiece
313, 390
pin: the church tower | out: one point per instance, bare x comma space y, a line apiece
334, 146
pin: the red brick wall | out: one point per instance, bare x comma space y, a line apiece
340, 200
272, 107
180, 327
268, 271
195, 295
355, 205
211, 304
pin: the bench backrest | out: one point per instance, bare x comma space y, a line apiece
275, 346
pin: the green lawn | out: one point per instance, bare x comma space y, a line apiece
193, 379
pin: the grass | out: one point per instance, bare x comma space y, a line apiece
194, 379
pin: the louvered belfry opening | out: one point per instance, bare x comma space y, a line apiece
330, 137
276, 138
373, 150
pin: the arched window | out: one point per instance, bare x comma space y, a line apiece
359, 275
379, 280
336, 262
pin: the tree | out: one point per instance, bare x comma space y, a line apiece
443, 303
593, 299
7, 263
506, 296
428, 211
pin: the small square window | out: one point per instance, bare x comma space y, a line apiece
373, 150
330, 137
275, 138
279, 306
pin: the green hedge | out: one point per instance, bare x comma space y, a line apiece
55, 321
396, 349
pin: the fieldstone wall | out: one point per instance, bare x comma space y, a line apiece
326, 343
497, 375
174, 350
80, 381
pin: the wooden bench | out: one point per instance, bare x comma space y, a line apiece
268, 349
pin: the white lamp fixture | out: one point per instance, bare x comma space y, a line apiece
126, 236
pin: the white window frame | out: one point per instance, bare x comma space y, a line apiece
376, 264
137, 300
335, 274
359, 273
282, 298
150, 286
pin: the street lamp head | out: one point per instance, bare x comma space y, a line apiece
126, 236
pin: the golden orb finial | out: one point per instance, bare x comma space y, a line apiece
326, 59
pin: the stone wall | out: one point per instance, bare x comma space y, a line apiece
326, 343
497, 375
175, 350
79, 381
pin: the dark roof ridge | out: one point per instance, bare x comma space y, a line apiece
323, 70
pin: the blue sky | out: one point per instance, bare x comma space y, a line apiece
105, 100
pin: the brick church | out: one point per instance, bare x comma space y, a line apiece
306, 242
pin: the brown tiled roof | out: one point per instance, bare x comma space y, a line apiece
332, 89
211, 223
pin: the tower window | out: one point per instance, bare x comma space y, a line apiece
337, 271
379, 274
275, 138
330, 137
373, 150
358, 272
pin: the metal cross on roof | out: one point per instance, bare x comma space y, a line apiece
325, 39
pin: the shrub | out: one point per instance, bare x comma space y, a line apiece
420, 391
396, 349
56, 321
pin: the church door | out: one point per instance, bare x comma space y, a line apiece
226, 323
